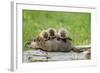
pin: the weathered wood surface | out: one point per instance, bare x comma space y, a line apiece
41, 56
85, 47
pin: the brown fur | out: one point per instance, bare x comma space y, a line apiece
51, 45
43, 35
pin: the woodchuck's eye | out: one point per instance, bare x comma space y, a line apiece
63, 35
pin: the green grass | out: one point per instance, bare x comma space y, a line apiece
78, 24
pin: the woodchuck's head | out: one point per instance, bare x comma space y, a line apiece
63, 35
36, 43
43, 35
51, 33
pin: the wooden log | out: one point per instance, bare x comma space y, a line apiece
83, 46
42, 56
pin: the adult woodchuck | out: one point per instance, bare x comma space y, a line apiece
53, 45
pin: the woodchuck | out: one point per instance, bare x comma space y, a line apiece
43, 35
51, 33
63, 35
53, 45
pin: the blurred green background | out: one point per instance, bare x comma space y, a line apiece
78, 24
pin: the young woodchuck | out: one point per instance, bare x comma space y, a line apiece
63, 35
44, 35
51, 33
50, 45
